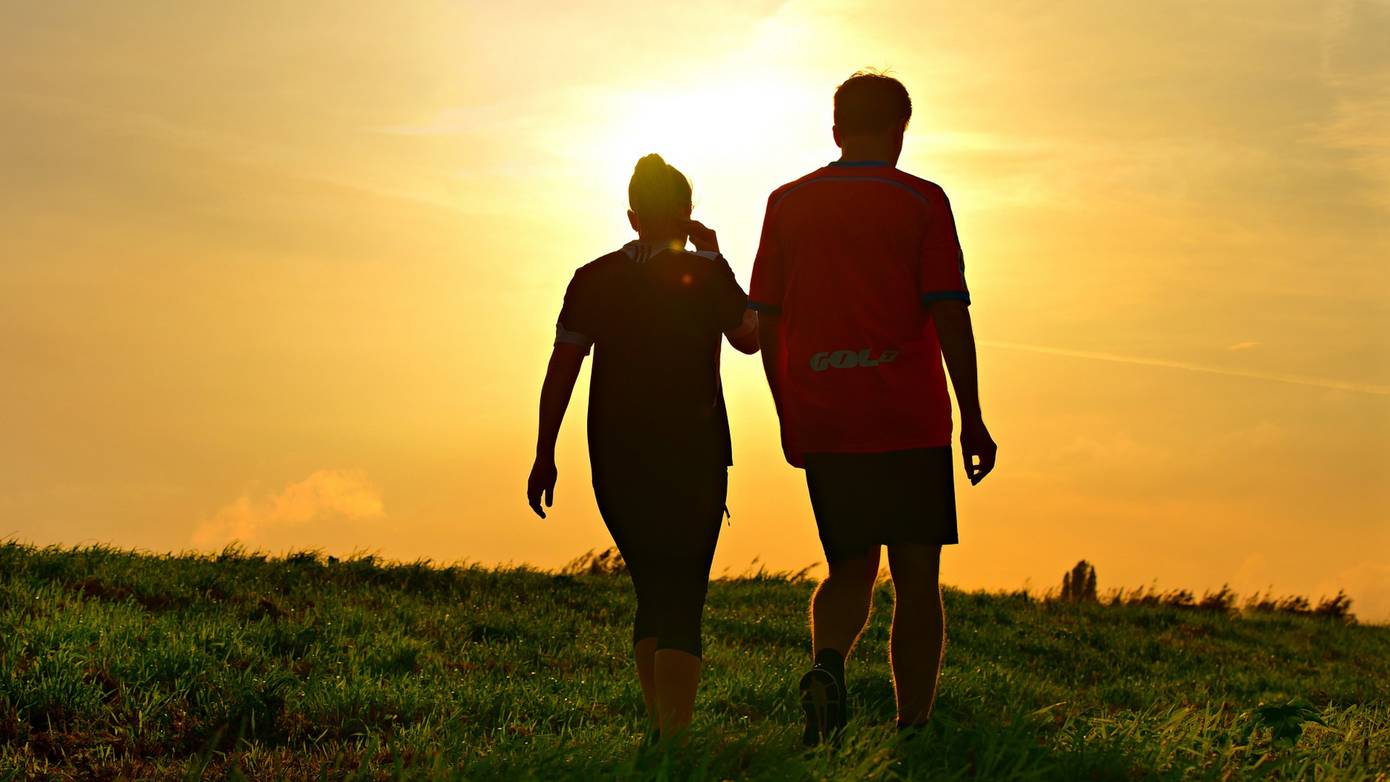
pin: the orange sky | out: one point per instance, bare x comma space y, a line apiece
288, 273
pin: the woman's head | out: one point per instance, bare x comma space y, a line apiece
659, 198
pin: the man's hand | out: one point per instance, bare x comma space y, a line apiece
702, 237
541, 482
976, 444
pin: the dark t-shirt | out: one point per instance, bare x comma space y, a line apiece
656, 325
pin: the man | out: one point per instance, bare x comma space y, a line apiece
859, 283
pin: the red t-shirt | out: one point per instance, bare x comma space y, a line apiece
850, 255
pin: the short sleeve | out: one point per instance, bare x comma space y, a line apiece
579, 320
942, 274
768, 286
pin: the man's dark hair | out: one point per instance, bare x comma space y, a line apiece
871, 102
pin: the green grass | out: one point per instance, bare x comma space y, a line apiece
118, 664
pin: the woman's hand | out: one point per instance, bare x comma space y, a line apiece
541, 482
702, 236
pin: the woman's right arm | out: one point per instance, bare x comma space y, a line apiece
565, 362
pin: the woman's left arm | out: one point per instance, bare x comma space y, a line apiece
745, 337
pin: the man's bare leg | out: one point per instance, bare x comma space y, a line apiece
839, 610
918, 638
840, 605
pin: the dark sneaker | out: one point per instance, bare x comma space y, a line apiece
823, 701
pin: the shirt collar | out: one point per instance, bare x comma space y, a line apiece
640, 251
859, 163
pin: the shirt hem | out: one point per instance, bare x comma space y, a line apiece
931, 442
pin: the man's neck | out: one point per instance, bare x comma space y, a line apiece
870, 150
863, 159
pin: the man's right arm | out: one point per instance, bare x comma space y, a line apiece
765, 292
770, 342
957, 337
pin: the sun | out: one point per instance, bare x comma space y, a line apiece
720, 132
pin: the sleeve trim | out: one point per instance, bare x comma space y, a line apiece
928, 298
567, 337
764, 307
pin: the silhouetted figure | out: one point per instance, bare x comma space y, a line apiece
659, 446
860, 286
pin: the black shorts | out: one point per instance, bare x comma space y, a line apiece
866, 500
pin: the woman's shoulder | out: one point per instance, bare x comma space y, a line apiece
597, 266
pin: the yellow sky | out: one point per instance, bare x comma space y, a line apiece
288, 273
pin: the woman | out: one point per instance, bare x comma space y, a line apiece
658, 433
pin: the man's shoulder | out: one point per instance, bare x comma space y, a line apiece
795, 183
926, 187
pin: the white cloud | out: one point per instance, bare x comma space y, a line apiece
326, 495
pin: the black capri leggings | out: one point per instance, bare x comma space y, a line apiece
666, 527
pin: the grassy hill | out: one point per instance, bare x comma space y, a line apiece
119, 664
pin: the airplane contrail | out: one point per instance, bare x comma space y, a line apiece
1277, 377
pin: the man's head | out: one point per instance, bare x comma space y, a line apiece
658, 197
871, 109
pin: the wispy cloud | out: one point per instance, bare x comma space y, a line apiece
1244, 345
326, 495
1354, 67
1274, 377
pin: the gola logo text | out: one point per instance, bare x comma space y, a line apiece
849, 359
